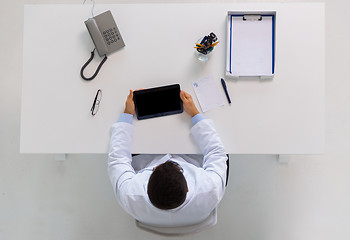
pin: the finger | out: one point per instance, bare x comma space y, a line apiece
130, 95
182, 95
187, 95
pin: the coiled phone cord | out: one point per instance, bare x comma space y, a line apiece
87, 63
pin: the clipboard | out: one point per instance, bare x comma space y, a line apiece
251, 44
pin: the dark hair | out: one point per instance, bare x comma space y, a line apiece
167, 186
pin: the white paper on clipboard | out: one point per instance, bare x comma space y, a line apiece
208, 93
251, 46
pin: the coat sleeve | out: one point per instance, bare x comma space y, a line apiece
120, 170
214, 162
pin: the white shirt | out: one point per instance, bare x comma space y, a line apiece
206, 185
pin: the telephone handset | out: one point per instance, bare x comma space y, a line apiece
105, 36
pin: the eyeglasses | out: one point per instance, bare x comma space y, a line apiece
96, 104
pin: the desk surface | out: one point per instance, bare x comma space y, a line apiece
281, 116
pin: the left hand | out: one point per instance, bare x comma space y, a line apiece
129, 104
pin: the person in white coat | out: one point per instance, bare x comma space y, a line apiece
170, 190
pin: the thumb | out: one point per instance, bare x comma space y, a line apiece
182, 95
131, 94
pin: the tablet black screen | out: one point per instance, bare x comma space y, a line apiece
156, 102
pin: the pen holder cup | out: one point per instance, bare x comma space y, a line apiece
203, 57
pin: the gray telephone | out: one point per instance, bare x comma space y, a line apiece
106, 37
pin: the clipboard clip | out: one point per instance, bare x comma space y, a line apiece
252, 17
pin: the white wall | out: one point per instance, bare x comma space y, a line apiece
309, 198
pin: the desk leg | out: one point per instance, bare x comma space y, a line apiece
283, 159
60, 157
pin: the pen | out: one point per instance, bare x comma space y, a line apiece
225, 88
203, 40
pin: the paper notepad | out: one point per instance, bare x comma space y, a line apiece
208, 93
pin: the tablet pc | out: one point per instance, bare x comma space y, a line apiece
159, 101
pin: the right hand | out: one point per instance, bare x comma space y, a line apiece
188, 104
129, 104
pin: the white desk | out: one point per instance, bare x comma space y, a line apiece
282, 116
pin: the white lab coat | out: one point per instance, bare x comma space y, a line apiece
206, 185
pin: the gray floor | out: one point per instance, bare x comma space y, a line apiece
309, 198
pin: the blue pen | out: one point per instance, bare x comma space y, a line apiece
203, 40
225, 88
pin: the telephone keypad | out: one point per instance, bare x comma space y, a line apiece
111, 35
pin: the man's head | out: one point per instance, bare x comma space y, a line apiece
167, 186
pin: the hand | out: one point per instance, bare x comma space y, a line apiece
129, 104
188, 104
